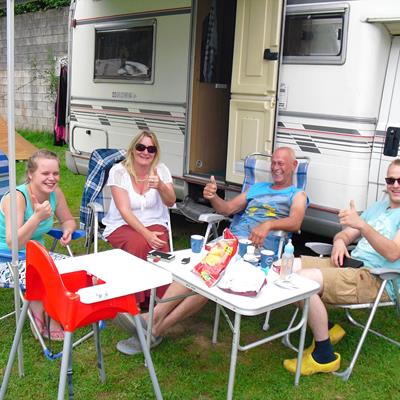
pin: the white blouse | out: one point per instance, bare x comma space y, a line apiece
148, 207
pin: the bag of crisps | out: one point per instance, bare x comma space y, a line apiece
210, 268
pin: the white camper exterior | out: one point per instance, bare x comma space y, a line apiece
337, 70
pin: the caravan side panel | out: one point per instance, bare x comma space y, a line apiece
110, 112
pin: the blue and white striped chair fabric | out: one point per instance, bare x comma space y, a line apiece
100, 163
257, 168
96, 196
4, 174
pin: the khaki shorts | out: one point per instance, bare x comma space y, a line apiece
345, 285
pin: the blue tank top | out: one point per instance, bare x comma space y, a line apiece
264, 203
42, 228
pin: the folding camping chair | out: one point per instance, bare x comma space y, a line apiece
386, 275
256, 168
72, 299
6, 275
96, 197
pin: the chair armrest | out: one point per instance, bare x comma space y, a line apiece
280, 234
95, 207
385, 273
57, 233
8, 255
323, 249
212, 218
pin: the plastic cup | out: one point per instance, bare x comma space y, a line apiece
196, 243
243, 243
267, 258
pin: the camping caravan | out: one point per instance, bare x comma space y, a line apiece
219, 79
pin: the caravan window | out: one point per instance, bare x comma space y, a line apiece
315, 38
125, 51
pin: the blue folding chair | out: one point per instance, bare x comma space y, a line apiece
257, 168
6, 276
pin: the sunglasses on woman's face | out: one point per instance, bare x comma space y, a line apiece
150, 149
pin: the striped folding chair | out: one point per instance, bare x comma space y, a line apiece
4, 174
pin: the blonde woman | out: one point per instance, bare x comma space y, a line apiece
142, 191
38, 200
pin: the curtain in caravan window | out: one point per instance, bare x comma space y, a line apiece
60, 108
210, 30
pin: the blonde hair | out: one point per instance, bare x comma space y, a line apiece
129, 160
32, 164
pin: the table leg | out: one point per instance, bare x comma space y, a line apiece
235, 344
150, 320
301, 342
216, 323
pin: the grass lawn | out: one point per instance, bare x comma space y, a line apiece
188, 366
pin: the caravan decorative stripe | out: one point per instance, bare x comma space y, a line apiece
141, 118
320, 139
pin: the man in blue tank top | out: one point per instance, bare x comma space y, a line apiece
266, 206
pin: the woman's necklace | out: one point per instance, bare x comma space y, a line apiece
141, 184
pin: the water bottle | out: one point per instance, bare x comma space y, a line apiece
287, 262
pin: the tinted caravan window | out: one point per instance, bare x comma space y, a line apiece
125, 51
315, 38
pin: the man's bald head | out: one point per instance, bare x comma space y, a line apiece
283, 165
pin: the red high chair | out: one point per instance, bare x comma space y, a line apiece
62, 303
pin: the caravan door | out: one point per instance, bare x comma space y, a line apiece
254, 82
388, 124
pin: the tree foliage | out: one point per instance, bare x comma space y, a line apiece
37, 5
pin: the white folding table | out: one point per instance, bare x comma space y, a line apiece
270, 297
122, 273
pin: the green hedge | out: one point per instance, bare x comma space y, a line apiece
37, 5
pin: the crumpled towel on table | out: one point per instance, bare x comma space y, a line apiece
243, 279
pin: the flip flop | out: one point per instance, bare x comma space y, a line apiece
40, 325
56, 335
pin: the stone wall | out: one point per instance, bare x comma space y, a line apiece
39, 37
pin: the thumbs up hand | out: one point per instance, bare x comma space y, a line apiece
210, 190
42, 210
350, 217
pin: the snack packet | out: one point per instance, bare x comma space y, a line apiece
210, 268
